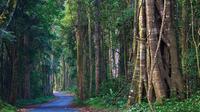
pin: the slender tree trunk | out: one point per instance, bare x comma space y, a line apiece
14, 84
184, 34
122, 52
97, 44
184, 43
135, 76
142, 35
64, 73
79, 37
27, 66
176, 79
195, 42
110, 55
90, 53
1, 67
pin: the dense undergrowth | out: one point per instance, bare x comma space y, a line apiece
113, 97
40, 100
4, 107
191, 104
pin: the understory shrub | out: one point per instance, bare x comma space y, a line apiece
4, 107
114, 92
171, 105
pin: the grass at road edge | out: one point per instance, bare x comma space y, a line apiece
4, 107
191, 104
28, 102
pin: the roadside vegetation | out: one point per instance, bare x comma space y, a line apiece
5, 107
29, 102
191, 104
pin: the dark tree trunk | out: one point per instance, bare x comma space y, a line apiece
97, 45
79, 39
27, 70
14, 84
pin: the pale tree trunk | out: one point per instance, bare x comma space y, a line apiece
133, 95
110, 63
136, 58
196, 42
110, 55
90, 52
142, 45
156, 73
158, 56
116, 62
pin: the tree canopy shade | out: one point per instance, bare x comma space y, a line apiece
125, 52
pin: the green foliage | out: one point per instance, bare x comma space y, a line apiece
7, 35
40, 100
172, 105
113, 92
100, 104
96, 102
112, 96
72, 90
4, 107
36, 84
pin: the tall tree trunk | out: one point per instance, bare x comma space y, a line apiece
122, 52
184, 43
79, 37
97, 45
110, 55
142, 35
27, 70
1, 67
184, 34
14, 84
135, 76
64, 73
156, 74
176, 79
90, 53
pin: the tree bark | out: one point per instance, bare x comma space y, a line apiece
79, 39
156, 75
97, 45
14, 84
176, 79
142, 35
27, 70
90, 53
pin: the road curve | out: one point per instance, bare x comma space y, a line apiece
59, 105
